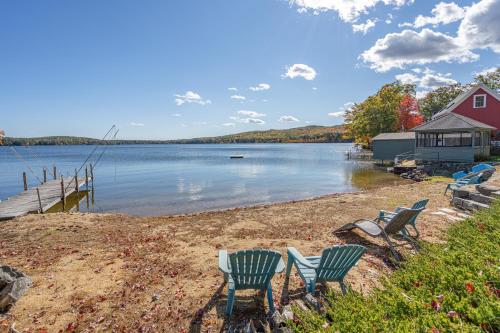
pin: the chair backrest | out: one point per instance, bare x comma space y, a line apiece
252, 269
481, 167
458, 175
337, 261
420, 204
398, 221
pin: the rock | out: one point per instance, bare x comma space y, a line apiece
13, 284
287, 312
486, 189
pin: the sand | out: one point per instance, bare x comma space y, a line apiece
112, 272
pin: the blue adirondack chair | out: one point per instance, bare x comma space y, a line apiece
333, 265
386, 216
250, 269
392, 227
482, 167
463, 182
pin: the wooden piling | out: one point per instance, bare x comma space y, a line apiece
63, 193
77, 189
55, 172
92, 175
86, 178
39, 201
25, 181
44, 175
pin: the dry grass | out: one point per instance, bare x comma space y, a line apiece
108, 272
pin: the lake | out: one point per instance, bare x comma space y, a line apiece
176, 179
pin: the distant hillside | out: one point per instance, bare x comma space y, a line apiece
316, 134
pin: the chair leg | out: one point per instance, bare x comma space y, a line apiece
393, 249
270, 297
412, 242
230, 301
343, 287
311, 286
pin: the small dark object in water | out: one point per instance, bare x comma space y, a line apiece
236, 156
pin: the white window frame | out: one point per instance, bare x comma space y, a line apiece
474, 101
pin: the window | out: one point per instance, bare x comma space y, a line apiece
479, 101
457, 139
477, 139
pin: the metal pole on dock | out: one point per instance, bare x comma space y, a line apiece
55, 172
44, 175
63, 193
39, 200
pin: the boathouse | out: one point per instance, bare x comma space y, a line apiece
386, 146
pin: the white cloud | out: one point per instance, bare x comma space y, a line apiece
176, 115
486, 71
260, 87
229, 124
252, 121
232, 89
314, 88
480, 27
428, 79
348, 10
238, 97
364, 27
300, 70
136, 124
397, 50
288, 119
389, 18
421, 94
251, 114
336, 114
442, 13
190, 97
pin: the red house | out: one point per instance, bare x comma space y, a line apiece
479, 103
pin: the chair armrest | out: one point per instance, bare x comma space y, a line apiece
281, 266
223, 262
297, 257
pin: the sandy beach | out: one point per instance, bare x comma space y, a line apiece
111, 272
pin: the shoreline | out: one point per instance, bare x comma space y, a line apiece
119, 271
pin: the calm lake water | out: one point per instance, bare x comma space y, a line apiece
174, 179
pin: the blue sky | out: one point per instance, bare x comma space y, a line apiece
162, 69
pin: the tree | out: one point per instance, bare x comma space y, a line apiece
491, 79
2, 134
408, 113
436, 100
378, 113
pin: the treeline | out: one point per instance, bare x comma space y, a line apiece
308, 134
395, 108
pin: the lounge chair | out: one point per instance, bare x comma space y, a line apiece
387, 215
392, 228
459, 175
481, 167
333, 265
463, 182
250, 269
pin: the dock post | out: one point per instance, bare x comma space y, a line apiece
63, 193
86, 178
25, 181
92, 175
39, 201
44, 175
55, 172
77, 189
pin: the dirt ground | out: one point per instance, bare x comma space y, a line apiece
120, 273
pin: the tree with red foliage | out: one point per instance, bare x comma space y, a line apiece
409, 114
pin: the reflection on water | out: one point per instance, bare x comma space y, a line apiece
175, 179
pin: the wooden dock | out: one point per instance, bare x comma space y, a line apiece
40, 199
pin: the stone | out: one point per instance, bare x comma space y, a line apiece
13, 284
486, 189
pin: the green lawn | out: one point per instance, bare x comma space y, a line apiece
452, 287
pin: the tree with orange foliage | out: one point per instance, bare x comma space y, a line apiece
409, 114
2, 134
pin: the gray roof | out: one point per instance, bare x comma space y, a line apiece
395, 136
452, 122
